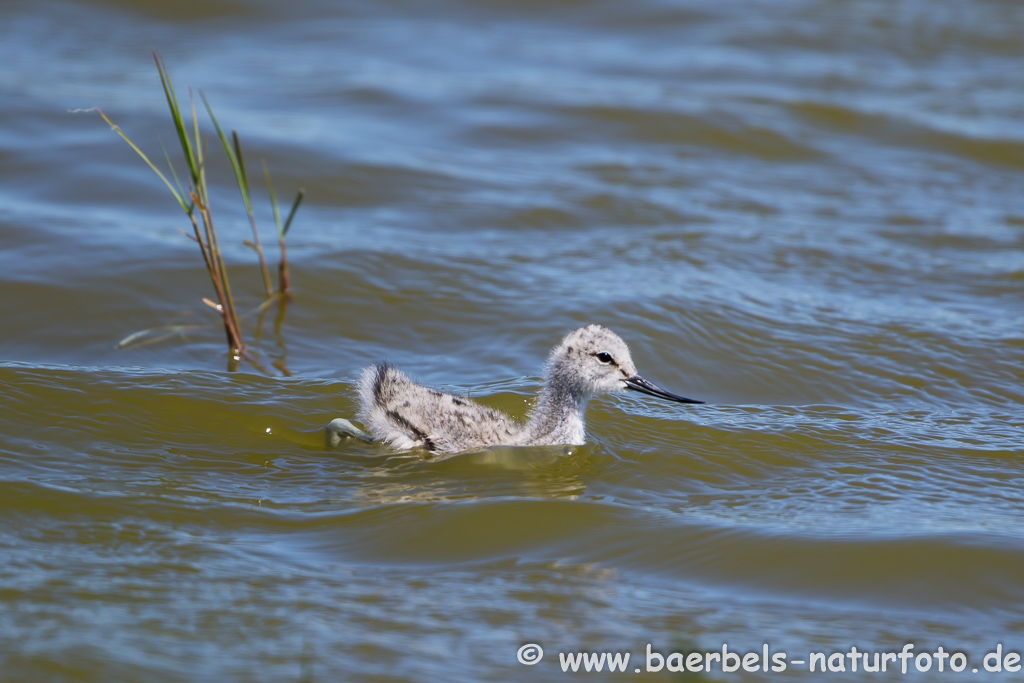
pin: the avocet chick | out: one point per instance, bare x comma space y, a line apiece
591, 360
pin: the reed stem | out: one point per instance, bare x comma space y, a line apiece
194, 199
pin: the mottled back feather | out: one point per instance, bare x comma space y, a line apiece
404, 415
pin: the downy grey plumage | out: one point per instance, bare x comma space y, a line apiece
588, 361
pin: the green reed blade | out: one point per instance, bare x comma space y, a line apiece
179, 124
199, 147
233, 153
273, 199
170, 165
291, 214
244, 178
149, 163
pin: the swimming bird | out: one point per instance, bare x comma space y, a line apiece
590, 360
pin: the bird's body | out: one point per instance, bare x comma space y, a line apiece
590, 360
406, 415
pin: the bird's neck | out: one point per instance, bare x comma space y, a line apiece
558, 417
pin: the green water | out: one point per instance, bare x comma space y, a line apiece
808, 214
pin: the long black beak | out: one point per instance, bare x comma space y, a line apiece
638, 383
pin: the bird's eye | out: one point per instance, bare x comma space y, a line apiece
604, 357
